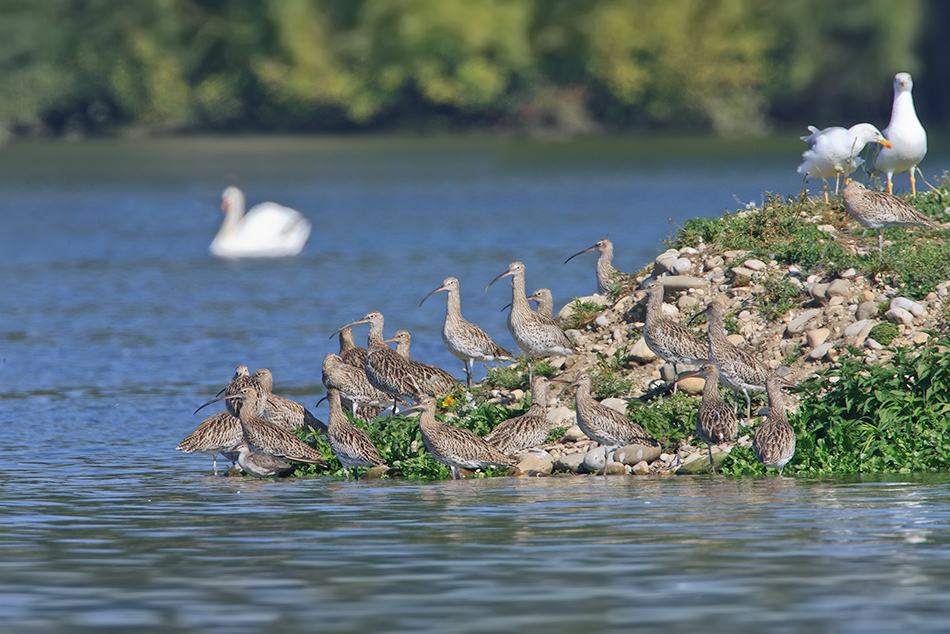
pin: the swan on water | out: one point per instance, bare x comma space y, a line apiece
267, 230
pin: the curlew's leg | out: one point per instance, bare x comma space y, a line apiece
469, 368
675, 383
712, 465
455, 472
346, 472
880, 245
748, 404
214, 463
530, 374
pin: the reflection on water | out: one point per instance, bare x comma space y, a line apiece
117, 323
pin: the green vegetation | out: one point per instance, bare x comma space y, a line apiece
670, 420
399, 441
883, 333
858, 418
725, 65
581, 315
516, 376
787, 231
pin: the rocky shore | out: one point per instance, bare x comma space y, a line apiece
804, 328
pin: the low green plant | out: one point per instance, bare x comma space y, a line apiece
515, 377
883, 333
778, 297
670, 419
607, 384
582, 313
858, 418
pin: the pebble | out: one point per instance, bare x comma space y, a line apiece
839, 288
601, 321
872, 344
919, 338
641, 353
664, 262
866, 310
742, 274
910, 306
754, 265
797, 325
819, 352
572, 462
536, 463
681, 266
595, 459
561, 417
899, 315
849, 273
745, 315
818, 291
692, 386
667, 373
616, 404
632, 454
641, 468
574, 434
683, 283
713, 261
867, 295
817, 337
854, 329
615, 468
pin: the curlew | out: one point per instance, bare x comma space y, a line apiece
218, 434
385, 369
528, 430
603, 424
263, 437
774, 440
716, 423
907, 137
435, 381
833, 151
354, 387
261, 465
879, 210
668, 339
350, 444
537, 335
739, 369
607, 275
464, 340
455, 447
543, 302
282, 411
350, 353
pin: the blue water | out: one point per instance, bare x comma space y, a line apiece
115, 323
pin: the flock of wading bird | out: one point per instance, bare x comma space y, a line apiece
257, 431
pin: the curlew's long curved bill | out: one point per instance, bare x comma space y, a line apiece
215, 400
321, 400
431, 293
354, 323
507, 306
693, 318
505, 274
580, 253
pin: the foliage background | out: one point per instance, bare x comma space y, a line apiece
574, 66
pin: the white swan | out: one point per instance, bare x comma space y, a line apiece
833, 151
267, 230
907, 136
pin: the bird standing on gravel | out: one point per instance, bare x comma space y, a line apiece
879, 210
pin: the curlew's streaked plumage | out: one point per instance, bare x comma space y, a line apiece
435, 381
525, 431
455, 447
537, 335
261, 465
263, 437
467, 342
774, 440
350, 353
603, 424
218, 434
668, 339
716, 423
607, 275
907, 137
741, 370
354, 387
879, 210
282, 411
385, 369
350, 444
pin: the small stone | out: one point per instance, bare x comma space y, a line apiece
912, 307
682, 283
376, 472
601, 321
687, 301
872, 344
818, 291
744, 315
839, 288
854, 329
713, 261
692, 386
641, 468
615, 468
664, 262
859, 340
817, 337
561, 417
743, 275
632, 454
517, 395
574, 433
733, 255
536, 463
797, 325
919, 338
754, 265
681, 266
595, 459
848, 273
616, 404
667, 373
641, 353
826, 228
819, 352
866, 310
736, 339
867, 295
899, 315
572, 463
